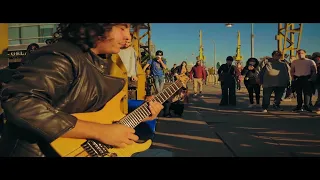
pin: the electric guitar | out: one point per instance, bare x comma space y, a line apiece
109, 114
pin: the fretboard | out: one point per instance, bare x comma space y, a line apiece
135, 117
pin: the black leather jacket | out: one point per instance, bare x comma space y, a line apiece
59, 80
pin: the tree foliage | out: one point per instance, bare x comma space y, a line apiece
218, 65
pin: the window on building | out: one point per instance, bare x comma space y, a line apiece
46, 32
29, 34
14, 34
26, 33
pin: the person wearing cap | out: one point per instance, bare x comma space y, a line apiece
228, 76
157, 66
198, 74
274, 76
302, 71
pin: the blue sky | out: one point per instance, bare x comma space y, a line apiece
180, 40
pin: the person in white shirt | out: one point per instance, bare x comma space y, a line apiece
302, 70
129, 59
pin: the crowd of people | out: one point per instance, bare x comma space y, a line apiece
298, 78
198, 74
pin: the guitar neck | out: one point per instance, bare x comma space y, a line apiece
136, 117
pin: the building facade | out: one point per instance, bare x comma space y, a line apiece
27, 33
21, 35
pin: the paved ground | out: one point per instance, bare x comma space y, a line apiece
209, 130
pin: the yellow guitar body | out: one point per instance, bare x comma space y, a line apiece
109, 114
68, 147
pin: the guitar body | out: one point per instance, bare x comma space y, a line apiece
109, 114
68, 147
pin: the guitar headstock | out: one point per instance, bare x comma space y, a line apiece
184, 79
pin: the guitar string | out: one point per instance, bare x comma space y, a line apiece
133, 120
135, 117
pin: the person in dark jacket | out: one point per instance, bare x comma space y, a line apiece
31, 48
59, 80
316, 81
6, 75
172, 72
250, 80
228, 77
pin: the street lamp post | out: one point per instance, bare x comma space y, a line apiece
214, 57
252, 41
229, 25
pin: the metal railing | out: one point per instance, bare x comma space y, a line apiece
28, 38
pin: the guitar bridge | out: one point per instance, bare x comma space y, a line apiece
96, 149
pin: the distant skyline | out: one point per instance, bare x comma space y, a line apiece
179, 40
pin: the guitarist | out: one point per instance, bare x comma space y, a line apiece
61, 79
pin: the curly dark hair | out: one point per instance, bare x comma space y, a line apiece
83, 34
252, 60
186, 65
